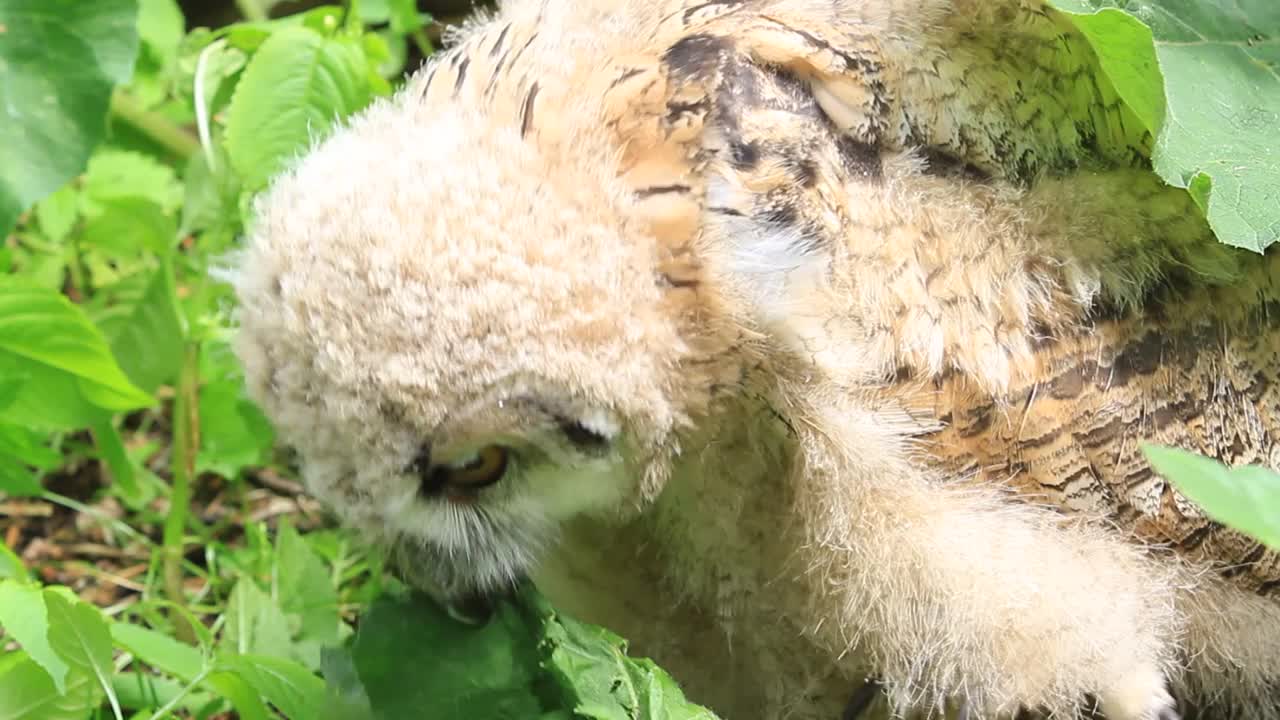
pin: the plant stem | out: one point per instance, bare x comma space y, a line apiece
154, 125
186, 440
173, 701
251, 10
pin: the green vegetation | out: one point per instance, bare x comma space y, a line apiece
175, 568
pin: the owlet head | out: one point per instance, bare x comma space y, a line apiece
460, 335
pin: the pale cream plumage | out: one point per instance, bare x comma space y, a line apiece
822, 334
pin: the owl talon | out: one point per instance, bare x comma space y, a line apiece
861, 700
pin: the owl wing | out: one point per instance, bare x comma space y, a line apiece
1011, 282
1197, 369
1007, 86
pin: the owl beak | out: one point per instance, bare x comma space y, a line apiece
475, 608
472, 609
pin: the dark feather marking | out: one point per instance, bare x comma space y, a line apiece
525, 46
670, 281
494, 74
662, 189
744, 155
526, 110
675, 109
625, 76
426, 84
462, 74
502, 38
690, 12
861, 159
695, 55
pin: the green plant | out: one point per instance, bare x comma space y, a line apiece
114, 356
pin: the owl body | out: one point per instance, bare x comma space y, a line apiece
817, 338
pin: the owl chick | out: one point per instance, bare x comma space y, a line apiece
800, 341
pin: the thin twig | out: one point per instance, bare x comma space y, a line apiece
155, 126
186, 440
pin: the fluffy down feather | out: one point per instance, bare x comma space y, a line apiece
821, 337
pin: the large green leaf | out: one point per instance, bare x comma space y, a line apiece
528, 661
411, 655
591, 666
43, 334
295, 87
148, 341
20, 450
159, 650
78, 633
1205, 77
27, 693
131, 225
141, 690
346, 696
234, 433
255, 624
292, 688
306, 593
25, 618
117, 174
1246, 498
59, 60
183, 661
160, 26
112, 451
11, 565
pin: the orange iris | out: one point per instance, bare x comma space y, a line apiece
485, 469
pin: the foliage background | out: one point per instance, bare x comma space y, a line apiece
159, 557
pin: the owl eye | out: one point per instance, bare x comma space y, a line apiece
583, 437
486, 468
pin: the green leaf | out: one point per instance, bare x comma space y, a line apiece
410, 654
1245, 498
1205, 77
306, 592
112, 451
159, 650
78, 633
27, 693
25, 617
57, 213
117, 174
527, 661
148, 341
140, 690
296, 86
21, 449
211, 195
293, 689
374, 12
346, 697
591, 666
164, 653
11, 566
129, 225
255, 624
160, 27
405, 17
44, 335
233, 432
58, 62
